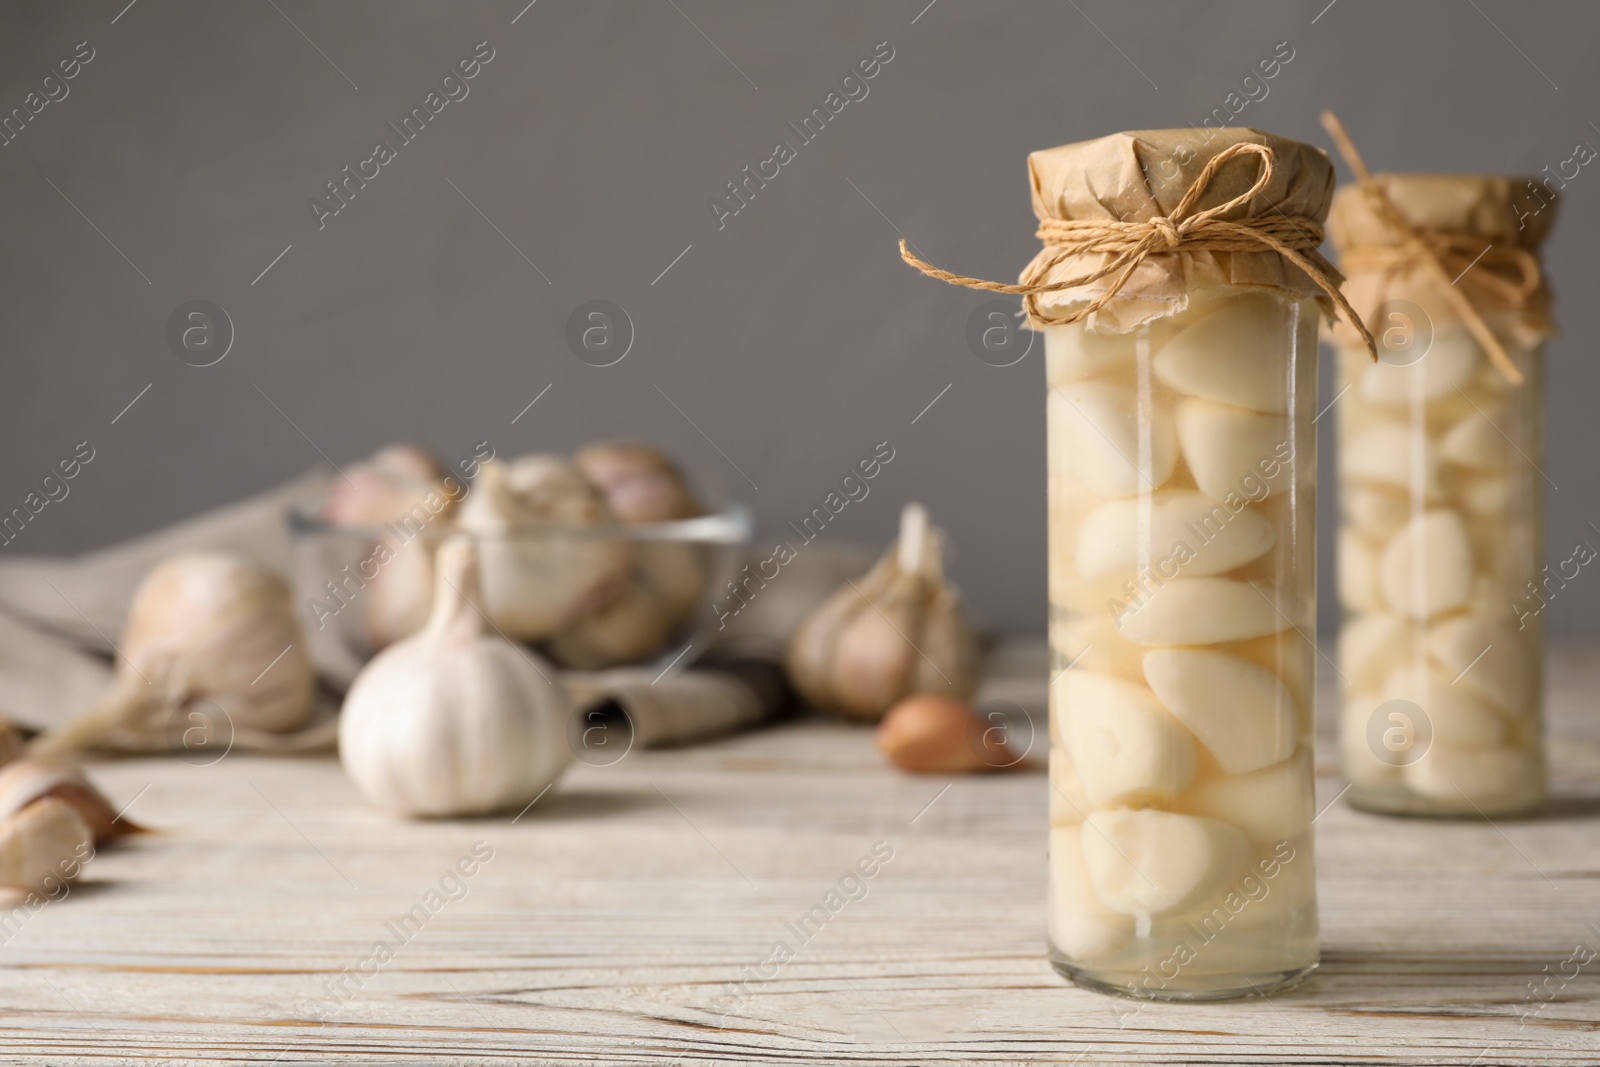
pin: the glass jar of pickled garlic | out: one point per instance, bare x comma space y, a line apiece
1182, 504
1441, 499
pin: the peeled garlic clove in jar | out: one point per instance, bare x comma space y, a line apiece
544, 557
1427, 568
455, 719
1388, 454
1233, 355
1111, 535
898, 630
1228, 449
1446, 366
1202, 611
1475, 442
1241, 712
1126, 748
1149, 862
1095, 428
205, 630
1271, 804
1080, 922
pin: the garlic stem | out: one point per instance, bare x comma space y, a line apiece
131, 697
913, 538
455, 596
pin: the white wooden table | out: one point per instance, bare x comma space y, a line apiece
615, 919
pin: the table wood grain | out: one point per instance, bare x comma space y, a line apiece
630, 917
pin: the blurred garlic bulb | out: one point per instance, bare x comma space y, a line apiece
897, 630
382, 487
404, 487
535, 520
26, 781
43, 846
454, 720
640, 483
636, 623
667, 579
204, 628
12, 746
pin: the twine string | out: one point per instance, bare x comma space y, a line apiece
1127, 244
1446, 254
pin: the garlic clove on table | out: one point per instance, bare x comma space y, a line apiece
47, 840
29, 780
205, 628
898, 630
455, 720
544, 558
934, 735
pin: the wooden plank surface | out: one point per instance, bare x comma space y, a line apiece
617, 919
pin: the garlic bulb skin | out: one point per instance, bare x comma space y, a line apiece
668, 578
454, 720
403, 485
898, 630
382, 487
45, 842
29, 780
640, 483
12, 747
536, 521
203, 627
633, 626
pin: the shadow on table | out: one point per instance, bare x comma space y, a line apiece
1571, 808
579, 803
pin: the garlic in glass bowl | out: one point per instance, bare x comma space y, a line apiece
587, 566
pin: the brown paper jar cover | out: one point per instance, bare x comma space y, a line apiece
1140, 175
1495, 211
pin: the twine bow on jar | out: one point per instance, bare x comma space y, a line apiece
1127, 244
1511, 274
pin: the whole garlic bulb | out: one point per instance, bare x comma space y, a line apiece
535, 520
203, 627
404, 485
634, 624
381, 487
454, 720
640, 483
898, 630
667, 579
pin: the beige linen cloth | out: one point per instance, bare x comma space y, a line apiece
61, 617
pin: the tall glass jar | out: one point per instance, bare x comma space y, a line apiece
1441, 503
1182, 521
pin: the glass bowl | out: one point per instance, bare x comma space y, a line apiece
638, 594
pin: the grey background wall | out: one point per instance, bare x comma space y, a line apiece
435, 306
